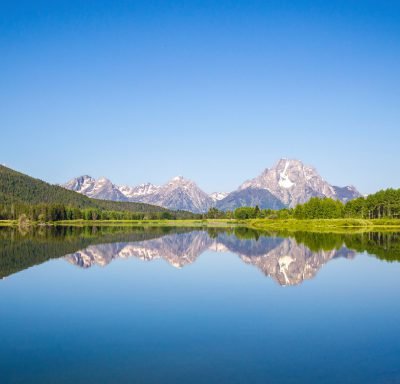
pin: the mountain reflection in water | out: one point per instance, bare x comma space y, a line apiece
287, 258
283, 259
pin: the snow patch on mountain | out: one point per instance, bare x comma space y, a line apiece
217, 196
139, 190
284, 180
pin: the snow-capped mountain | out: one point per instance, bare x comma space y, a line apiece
292, 183
180, 193
83, 184
286, 184
101, 188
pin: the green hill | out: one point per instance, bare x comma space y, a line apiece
22, 192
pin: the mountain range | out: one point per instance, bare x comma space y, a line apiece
288, 183
18, 192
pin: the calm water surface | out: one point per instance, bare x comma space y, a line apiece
178, 305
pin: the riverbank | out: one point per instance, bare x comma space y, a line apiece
320, 225
8, 223
153, 223
314, 225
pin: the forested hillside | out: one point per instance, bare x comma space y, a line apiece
22, 194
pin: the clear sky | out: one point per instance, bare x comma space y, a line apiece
213, 90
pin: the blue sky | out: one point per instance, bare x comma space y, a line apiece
213, 90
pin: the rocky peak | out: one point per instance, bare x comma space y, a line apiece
77, 183
101, 188
292, 182
181, 181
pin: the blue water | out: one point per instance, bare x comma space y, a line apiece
217, 319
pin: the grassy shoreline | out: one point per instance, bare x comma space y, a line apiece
258, 224
159, 223
328, 225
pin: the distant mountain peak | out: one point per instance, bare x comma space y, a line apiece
180, 180
79, 183
101, 188
82, 178
293, 182
103, 179
183, 194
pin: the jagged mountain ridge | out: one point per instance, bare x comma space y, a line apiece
180, 193
286, 184
101, 188
138, 191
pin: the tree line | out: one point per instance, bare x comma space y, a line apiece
58, 212
383, 204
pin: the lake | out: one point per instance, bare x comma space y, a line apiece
178, 305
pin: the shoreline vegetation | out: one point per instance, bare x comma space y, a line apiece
311, 225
